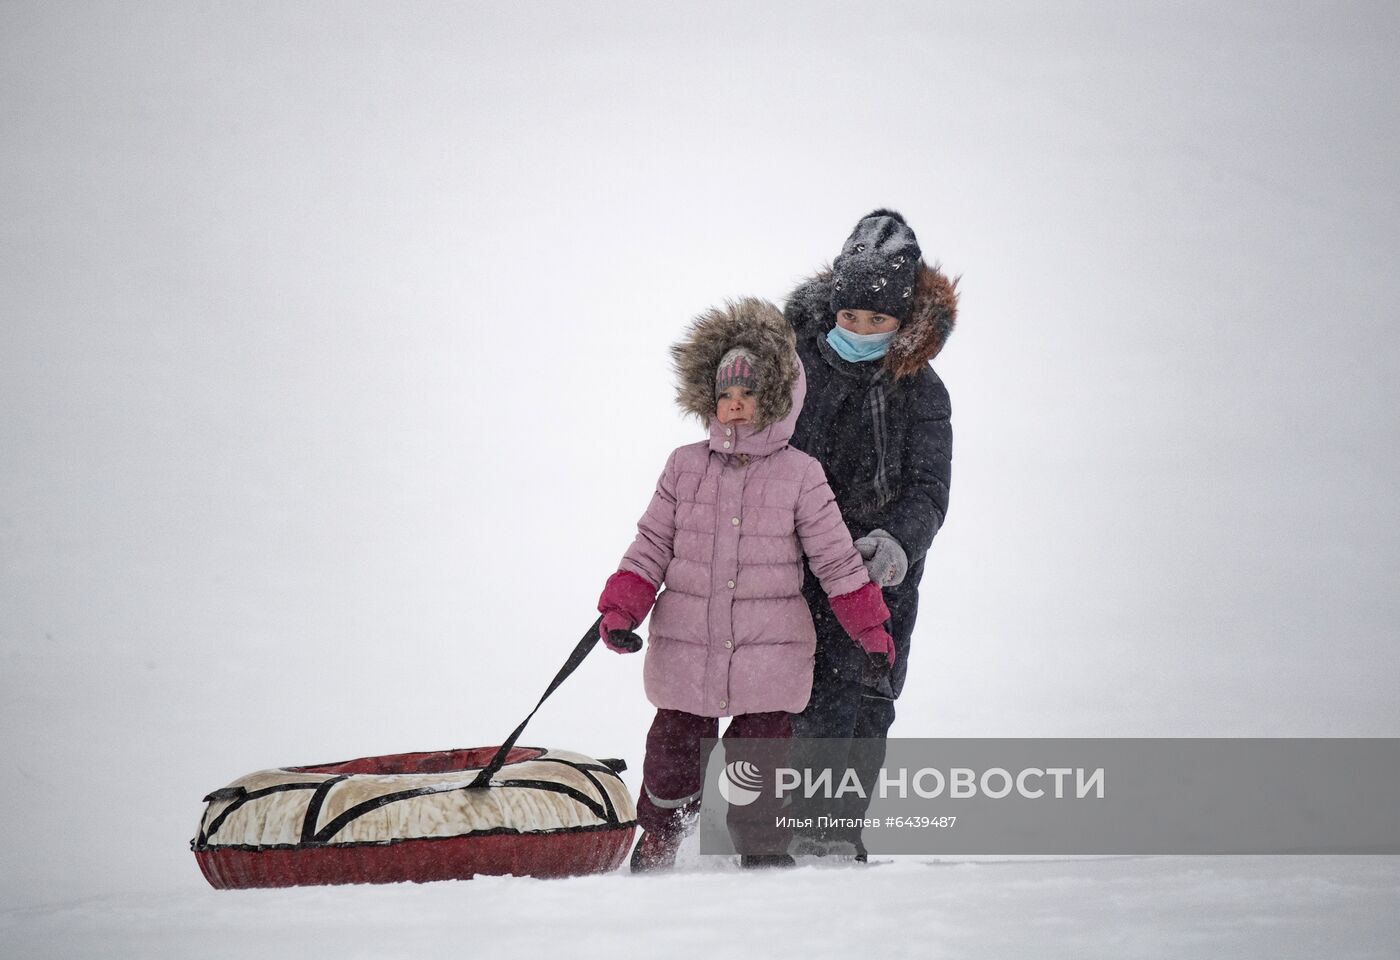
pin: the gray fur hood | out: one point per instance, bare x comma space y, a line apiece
759, 327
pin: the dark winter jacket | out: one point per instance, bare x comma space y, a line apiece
882, 429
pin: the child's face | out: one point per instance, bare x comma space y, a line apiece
735, 405
865, 321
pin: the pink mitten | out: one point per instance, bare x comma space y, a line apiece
626, 601
862, 613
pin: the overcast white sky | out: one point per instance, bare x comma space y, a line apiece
333, 368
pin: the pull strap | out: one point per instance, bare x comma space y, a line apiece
584, 647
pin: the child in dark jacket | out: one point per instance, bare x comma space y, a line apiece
726, 533
877, 417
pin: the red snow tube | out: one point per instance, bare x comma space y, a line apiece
413, 816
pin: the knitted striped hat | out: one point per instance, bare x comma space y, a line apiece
735, 369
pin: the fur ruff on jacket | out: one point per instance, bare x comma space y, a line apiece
755, 325
918, 340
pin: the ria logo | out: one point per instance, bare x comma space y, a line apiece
740, 783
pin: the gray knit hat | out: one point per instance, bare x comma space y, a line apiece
877, 266
735, 369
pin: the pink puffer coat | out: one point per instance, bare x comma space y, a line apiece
725, 534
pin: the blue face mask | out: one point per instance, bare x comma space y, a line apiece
859, 347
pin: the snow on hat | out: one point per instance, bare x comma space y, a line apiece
735, 368
877, 266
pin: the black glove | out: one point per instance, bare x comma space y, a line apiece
623, 641
877, 680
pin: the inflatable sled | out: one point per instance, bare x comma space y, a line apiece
416, 816
448, 815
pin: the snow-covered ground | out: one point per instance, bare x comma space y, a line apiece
333, 378
1240, 908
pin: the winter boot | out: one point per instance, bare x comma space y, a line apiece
766, 861
656, 851
804, 846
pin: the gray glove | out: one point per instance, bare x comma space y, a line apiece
885, 559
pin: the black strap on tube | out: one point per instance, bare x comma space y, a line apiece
584, 647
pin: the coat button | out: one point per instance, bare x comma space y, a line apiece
726, 444
731, 584
723, 704
728, 431
734, 520
729, 644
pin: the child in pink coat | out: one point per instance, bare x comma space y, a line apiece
726, 533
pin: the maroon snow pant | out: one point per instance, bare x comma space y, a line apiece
674, 770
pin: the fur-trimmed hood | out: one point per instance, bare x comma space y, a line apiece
759, 327
919, 338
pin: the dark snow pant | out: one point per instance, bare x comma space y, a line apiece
837, 714
846, 704
674, 769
